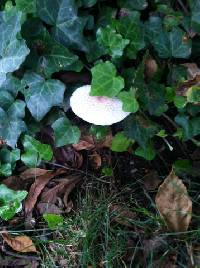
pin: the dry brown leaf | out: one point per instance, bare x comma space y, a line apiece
85, 143
122, 215
174, 204
96, 161
68, 156
63, 188
33, 173
19, 243
37, 187
106, 142
88, 142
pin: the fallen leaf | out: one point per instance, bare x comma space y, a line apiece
85, 143
33, 173
96, 161
122, 215
37, 187
19, 243
68, 156
88, 142
63, 188
174, 204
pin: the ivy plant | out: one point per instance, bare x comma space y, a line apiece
43, 42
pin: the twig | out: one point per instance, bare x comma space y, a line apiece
183, 7
170, 120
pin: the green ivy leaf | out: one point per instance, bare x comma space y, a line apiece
104, 80
120, 143
191, 127
131, 28
58, 58
130, 103
152, 97
67, 26
35, 151
13, 50
10, 202
65, 133
99, 132
54, 221
180, 102
184, 167
9, 158
113, 42
139, 129
147, 153
195, 18
167, 44
41, 95
193, 94
26, 6
11, 122
5, 170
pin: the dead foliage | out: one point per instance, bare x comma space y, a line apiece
19, 243
174, 204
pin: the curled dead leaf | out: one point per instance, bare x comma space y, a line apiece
19, 243
68, 156
37, 187
62, 189
88, 142
96, 161
85, 143
174, 204
33, 173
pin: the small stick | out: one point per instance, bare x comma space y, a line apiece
183, 7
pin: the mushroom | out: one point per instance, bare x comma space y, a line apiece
96, 110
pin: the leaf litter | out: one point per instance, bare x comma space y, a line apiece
20, 243
174, 204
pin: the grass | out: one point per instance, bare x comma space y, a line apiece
94, 236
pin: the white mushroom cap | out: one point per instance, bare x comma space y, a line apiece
96, 110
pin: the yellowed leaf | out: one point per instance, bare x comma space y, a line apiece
174, 204
19, 243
